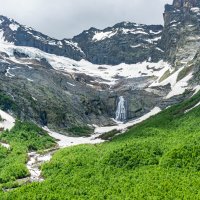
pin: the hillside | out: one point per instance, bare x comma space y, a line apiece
107, 114
156, 159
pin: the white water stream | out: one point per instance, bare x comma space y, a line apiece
34, 163
121, 114
36, 159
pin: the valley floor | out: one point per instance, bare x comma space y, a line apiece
156, 159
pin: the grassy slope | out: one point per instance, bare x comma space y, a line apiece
157, 159
24, 137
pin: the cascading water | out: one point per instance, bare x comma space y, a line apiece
121, 110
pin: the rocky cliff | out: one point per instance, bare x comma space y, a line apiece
123, 43
13, 32
70, 85
181, 31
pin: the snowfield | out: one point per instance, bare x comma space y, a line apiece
106, 74
177, 87
8, 121
103, 74
66, 141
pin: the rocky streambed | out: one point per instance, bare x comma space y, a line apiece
34, 163
36, 160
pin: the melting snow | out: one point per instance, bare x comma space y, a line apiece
36, 159
8, 121
7, 146
135, 46
197, 89
195, 9
159, 49
8, 73
179, 87
14, 27
134, 31
33, 166
103, 35
156, 33
170, 80
153, 40
110, 74
74, 45
66, 141
71, 84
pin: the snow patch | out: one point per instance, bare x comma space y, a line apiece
66, 141
8, 121
159, 49
195, 9
198, 104
7, 146
136, 46
179, 87
151, 41
74, 45
71, 84
8, 73
103, 35
155, 33
110, 75
197, 89
170, 80
14, 27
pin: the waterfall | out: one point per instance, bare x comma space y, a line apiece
121, 110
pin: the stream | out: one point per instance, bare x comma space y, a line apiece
34, 163
36, 160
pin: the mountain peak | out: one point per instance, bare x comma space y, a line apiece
186, 3
7, 19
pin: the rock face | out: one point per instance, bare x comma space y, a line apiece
41, 94
13, 32
123, 43
181, 31
181, 37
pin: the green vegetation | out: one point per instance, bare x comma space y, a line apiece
80, 131
164, 76
24, 137
109, 135
184, 72
156, 159
6, 102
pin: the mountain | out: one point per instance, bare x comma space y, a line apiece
131, 42
154, 158
123, 43
77, 84
20, 35
157, 159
